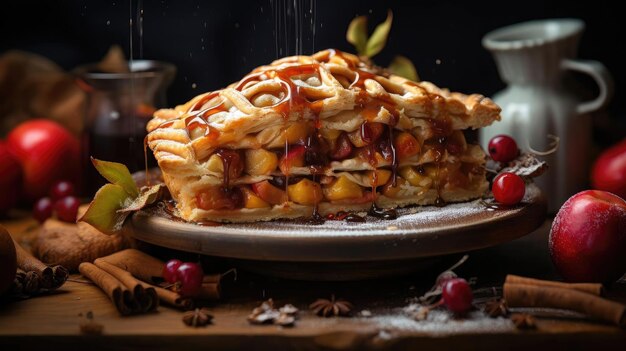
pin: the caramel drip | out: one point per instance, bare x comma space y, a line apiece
288, 163
442, 129
227, 157
145, 159
394, 158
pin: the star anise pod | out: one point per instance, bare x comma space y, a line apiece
197, 318
496, 308
332, 307
523, 321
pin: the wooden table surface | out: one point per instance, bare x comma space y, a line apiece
52, 321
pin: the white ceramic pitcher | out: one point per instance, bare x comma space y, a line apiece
532, 58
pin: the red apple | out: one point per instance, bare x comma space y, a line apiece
8, 260
47, 153
10, 179
269, 193
588, 237
293, 158
609, 170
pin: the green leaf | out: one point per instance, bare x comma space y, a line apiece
148, 196
357, 34
377, 41
403, 67
117, 174
103, 213
112, 205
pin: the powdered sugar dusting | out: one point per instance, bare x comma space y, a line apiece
441, 322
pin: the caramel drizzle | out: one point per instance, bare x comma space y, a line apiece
295, 100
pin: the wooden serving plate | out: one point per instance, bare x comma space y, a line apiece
339, 250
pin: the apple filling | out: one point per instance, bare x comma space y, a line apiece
341, 167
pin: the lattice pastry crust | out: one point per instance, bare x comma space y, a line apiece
315, 103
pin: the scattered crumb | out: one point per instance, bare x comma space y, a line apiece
88, 326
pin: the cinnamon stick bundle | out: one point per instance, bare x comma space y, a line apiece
150, 269
591, 288
50, 278
139, 273
525, 295
119, 294
145, 295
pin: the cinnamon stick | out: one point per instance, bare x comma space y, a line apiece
59, 276
25, 283
144, 294
524, 295
139, 264
591, 288
212, 278
28, 263
210, 291
173, 298
113, 288
211, 288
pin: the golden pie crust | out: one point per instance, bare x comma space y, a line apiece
323, 97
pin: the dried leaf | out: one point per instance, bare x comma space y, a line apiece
288, 309
103, 212
266, 317
117, 174
285, 320
148, 196
377, 41
403, 67
526, 166
267, 314
357, 34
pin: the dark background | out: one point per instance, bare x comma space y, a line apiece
214, 43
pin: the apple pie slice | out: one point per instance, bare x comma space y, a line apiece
319, 135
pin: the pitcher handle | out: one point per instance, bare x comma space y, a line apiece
600, 74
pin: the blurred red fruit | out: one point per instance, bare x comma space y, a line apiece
47, 153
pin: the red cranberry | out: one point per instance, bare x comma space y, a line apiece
457, 296
508, 188
42, 209
503, 148
61, 189
170, 271
190, 276
67, 208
